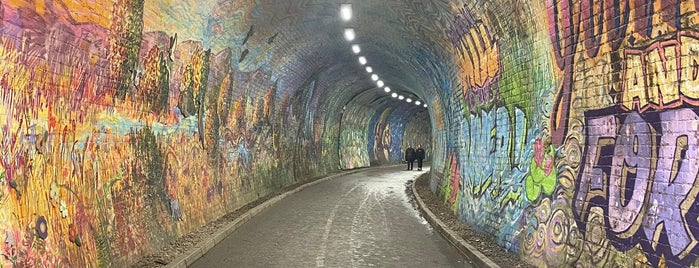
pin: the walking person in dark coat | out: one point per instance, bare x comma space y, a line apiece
419, 155
410, 156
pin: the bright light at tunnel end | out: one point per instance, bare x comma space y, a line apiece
349, 34
346, 12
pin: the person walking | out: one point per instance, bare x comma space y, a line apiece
419, 155
410, 156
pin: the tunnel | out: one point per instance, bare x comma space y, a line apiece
128, 124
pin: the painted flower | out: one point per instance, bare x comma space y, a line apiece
74, 234
538, 152
63, 209
548, 167
54, 192
42, 228
542, 177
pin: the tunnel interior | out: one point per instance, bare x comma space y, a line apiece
562, 130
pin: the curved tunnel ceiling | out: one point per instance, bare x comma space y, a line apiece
304, 39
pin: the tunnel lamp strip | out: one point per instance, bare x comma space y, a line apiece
350, 35
346, 12
362, 60
356, 49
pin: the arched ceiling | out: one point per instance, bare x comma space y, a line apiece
299, 40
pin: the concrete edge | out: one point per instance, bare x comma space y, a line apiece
192, 255
464, 247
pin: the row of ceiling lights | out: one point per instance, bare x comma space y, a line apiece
346, 15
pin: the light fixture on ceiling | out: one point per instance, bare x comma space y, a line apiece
374, 77
356, 49
418, 102
425, 105
362, 60
394, 95
401, 97
369, 69
409, 100
349, 34
387, 89
379, 83
346, 12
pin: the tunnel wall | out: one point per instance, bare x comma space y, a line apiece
373, 134
569, 129
126, 126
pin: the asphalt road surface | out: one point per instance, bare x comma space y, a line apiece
364, 219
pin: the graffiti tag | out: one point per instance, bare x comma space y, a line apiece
641, 169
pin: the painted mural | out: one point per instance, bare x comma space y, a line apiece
353, 137
393, 130
120, 132
602, 170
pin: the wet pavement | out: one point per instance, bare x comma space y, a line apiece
364, 219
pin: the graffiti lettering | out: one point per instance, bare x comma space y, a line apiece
572, 21
496, 143
478, 60
623, 159
663, 75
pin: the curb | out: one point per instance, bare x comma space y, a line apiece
464, 247
186, 259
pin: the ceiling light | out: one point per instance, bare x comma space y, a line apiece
401, 97
418, 102
374, 77
362, 60
409, 100
369, 69
349, 34
379, 83
356, 49
387, 89
346, 12
394, 95
425, 105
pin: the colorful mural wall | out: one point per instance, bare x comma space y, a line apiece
373, 130
125, 124
571, 133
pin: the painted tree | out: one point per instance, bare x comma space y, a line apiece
124, 43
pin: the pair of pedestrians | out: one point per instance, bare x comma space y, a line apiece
414, 154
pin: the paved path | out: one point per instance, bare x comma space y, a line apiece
363, 219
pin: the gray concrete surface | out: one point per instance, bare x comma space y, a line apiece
364, 219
